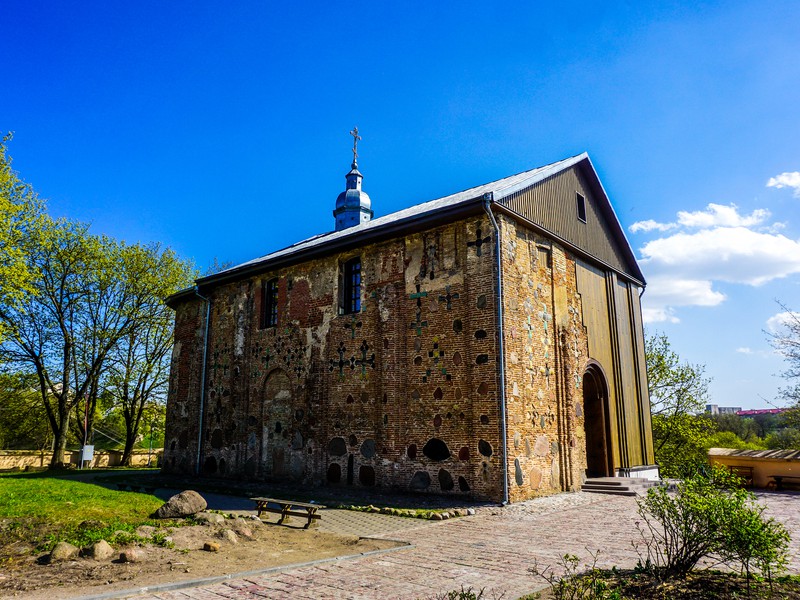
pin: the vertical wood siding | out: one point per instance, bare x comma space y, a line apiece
551, 204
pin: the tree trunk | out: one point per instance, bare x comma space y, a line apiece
60, 445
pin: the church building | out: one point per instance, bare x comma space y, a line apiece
486, 344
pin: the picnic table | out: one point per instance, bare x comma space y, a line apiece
288, 508
779, 479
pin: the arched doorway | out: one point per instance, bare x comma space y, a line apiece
283, 453
596, 423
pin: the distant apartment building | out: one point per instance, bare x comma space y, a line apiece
715, 409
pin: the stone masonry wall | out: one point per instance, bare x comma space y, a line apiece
402, 394
546, 352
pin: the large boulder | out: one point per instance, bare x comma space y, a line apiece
63, 551
101, 550
180, 505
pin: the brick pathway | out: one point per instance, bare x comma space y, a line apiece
491, 550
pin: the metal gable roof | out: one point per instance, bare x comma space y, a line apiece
458, 203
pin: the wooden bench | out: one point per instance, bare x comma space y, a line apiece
777, 481
746, 473
288, 508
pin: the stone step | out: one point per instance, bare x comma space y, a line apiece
621, 486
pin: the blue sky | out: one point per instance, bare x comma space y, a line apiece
221, 130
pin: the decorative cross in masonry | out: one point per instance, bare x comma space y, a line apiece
341, 363
529, 327
352, 325
418, 323
448, 298
364, 361
545, 317
356, 139
479, 241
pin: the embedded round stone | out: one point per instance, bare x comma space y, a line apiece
482, 359
483, 388
337, 447
366, 475
420, 481
518, 473
462, 484
436, 450
485, 448
368, 448
484, 419
457, 358
352, 440
412, 451
480, 334
334, 473
458, 326
445, 480
216, 439
463, 453
482, 301
437, 421
438, 394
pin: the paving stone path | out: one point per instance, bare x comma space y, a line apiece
492, 550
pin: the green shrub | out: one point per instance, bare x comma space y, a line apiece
708, 515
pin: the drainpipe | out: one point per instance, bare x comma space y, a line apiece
488, 198
202, 381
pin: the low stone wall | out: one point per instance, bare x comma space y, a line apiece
765, 463
22, 459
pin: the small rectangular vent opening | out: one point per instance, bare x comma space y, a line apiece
580, 201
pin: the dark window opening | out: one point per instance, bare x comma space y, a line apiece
269, 304
351, 301
581, 202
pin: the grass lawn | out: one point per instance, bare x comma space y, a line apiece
39, 509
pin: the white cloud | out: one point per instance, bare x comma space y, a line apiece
658, 315
650, 225
782, 319
744, 350
730, 254
714, 215
791, 180
718, 215
664, 292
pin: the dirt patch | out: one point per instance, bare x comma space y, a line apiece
253, 546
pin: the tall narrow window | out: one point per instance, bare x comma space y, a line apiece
580, 201
351, 299
269, 304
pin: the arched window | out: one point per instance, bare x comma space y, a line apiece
269, 304
351, 297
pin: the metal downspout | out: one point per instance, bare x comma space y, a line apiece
202, 382
488, 199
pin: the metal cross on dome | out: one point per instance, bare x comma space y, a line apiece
356, 139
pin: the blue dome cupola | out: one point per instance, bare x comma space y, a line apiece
353, 205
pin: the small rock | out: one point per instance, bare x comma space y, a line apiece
256, 519
145, 531
436, 516
101, 550
63, 551
207, 518
229, 536
245, 532
182, 505
90, 524
211, 547
470, 511
132, 555
445, 516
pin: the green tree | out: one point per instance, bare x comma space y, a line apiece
23, 421
678, 394
140, 362
21, 214
786, 341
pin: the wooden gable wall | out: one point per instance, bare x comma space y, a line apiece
551, 204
